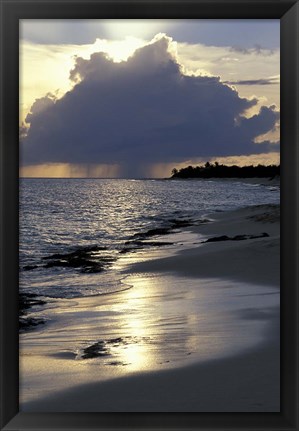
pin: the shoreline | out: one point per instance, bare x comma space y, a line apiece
266, 181
247, 380
253, 220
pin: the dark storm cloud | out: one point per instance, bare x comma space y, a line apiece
140, 112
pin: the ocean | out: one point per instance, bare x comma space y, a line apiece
86, 315
72, 231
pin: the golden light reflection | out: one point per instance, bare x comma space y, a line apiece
154, 318
137, 322
162, 322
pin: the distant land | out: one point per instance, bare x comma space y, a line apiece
216, 170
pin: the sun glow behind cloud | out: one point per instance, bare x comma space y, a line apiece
46, 69
119, 29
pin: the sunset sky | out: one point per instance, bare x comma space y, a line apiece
135, 99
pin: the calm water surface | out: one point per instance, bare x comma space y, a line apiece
66, 215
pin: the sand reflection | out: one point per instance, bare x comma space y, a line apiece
161, 322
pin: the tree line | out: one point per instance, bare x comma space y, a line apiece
216, 170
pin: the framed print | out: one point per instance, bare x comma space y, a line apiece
149, 206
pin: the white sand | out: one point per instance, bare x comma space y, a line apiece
254, 261
243, 379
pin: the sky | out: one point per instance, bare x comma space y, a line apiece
136, 98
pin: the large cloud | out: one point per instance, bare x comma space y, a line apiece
141, 112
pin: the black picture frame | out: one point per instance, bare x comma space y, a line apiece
288, 13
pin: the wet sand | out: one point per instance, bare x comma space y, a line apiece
197, 331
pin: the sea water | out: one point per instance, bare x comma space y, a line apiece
133, 322
63, 216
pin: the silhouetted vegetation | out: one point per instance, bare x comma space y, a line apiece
216, 170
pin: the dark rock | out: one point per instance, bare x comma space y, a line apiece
157, 243
218, 238
138, 244
29, 322
129, 249
29, 267
28, 300
95, 350
153, 232
55, 256
177, 223
104, 348
92, 269
115, 340
116, 363
262, 235
82, 258
77, 253
235, 238
240, 237
144, 243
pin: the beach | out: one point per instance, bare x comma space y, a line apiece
194, 330
148, 216
254, 261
